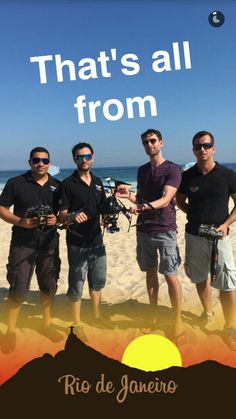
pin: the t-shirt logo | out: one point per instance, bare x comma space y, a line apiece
194, 188
98, 187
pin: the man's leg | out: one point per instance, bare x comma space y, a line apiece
152, 290
48, 329
13, 310
97, 270
152, 287
75, 309
228, 303
9, 339
96, 302
175, 293
197, 265
147, 261
205, 295
46, 302
98, 319
169, 264
78, 266
20, 269
47, 271
78, 328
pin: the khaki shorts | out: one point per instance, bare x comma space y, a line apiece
165, 244
198, 260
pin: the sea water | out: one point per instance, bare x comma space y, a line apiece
125, 174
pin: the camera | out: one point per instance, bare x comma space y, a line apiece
110, 211
111, 206
40, 211
209, 231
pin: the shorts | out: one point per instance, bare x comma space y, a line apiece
166, 244
198, 261
86, 262
22, 261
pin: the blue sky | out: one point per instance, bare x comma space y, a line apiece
187, 100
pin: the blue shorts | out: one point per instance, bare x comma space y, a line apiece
86, 263
166, 244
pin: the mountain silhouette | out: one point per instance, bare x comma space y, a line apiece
39, 387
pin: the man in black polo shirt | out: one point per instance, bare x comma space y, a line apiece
208, 187
83, 196
34, 242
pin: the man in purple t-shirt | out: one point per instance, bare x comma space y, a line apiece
154, 201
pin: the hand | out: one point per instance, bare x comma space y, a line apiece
28, 222
224, 229
104, 223
51, 220
80, 217
136, 209
122, 191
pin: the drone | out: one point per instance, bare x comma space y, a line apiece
113, 207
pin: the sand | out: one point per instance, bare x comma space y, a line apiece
124, 299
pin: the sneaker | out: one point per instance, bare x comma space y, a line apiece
80, 333
102, 322
230, 337
207, 319
8, 342
51, 333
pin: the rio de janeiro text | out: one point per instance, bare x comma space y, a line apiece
74, 385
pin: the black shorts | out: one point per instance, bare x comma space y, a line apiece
21, 264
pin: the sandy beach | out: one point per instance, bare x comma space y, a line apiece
124, 300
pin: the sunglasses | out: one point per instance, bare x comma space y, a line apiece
36, 160
206, 146
81, 157
152, 141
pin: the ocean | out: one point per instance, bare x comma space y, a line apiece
126, 174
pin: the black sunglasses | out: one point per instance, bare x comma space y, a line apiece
206, 146
36, 160
152, 141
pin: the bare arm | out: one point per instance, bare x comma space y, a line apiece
230, 220
80, 217
181, 202
168, 193
122, 191
11, 218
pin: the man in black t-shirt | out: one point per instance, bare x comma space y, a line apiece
34, 196
82, 201
208, 186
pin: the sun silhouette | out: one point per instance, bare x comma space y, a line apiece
152, 353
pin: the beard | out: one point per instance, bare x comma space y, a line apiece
84, 169
153, 153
